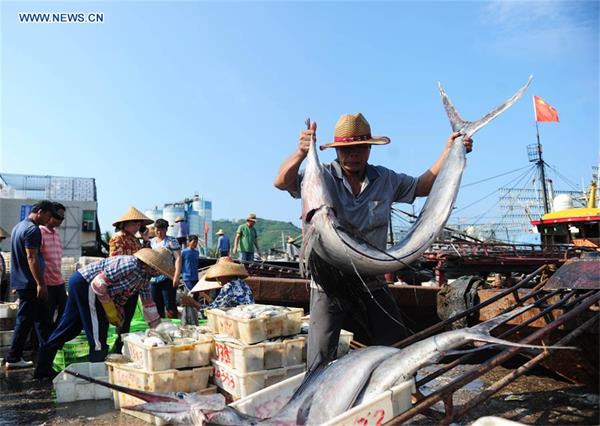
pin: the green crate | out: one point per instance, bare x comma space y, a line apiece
78, 350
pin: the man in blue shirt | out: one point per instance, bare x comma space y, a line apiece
190, 260
223, 244
27, 278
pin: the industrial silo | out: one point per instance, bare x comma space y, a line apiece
154, 213
170, 213
204, 209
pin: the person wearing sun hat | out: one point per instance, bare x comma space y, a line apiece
228, 276
223, 244
246, 239
125, 242
362, 196
97, 294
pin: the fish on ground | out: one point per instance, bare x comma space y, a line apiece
354, 379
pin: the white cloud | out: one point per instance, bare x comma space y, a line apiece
555, 26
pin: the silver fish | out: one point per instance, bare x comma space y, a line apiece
340, 248
405, 364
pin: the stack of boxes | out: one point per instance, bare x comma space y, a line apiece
251, 354
8, 314
170, 368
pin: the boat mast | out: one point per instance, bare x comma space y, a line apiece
535, 155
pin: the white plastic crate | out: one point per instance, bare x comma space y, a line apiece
70, 388
6, 337
260, 356
267, 402
167, 357
8, 310
255, 330
240, 385
130, 375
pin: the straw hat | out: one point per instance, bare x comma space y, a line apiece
3, 233
354, 129
291, 239
133, 214
204, 285
225, 267
220, 232
160, 260
251, 217
179, 219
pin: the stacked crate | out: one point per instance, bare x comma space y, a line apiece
246, 359
169, 368
8, 314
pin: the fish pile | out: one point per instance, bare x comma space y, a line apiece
167, 333
254, 311
354, 379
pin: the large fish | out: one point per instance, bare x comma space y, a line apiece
355, 378
341, 248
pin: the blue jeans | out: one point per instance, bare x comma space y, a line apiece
164, 295
32, 313
247, 256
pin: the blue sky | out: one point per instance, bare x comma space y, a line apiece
164, 99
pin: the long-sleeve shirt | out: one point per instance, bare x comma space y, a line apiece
235, 292
124, 276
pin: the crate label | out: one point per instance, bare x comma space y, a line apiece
374, 418
226, 379
227, 326
136, 354
223, 353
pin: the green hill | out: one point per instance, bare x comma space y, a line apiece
269, 232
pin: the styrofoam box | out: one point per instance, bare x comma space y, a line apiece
6, 337
391, 403
255, 330
8, 310
130, 375
260, 356
167, 357
70, 388
149, 418
240, 385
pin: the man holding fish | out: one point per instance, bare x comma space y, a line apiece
362, 196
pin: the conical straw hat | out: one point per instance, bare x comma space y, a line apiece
220, 232
225, 267
3, 233
160, 260
133, 214
204, 285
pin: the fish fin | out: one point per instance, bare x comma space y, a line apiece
468, 128
487, 326
308, 243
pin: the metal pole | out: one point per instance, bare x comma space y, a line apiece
540, 164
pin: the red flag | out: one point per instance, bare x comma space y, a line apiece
206, 234
543, 110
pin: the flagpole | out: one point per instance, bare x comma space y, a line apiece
540, 164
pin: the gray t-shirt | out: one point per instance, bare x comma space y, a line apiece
368, 213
